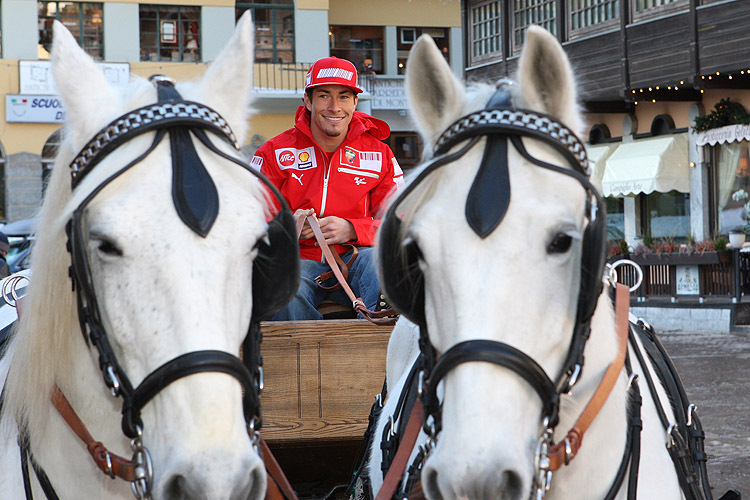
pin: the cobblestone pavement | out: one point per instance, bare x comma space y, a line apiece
715, 369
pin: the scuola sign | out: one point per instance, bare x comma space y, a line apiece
24, 108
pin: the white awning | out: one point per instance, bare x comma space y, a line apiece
648, 165
723, 135
598, 155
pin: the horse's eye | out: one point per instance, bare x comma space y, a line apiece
107, 247
560, 243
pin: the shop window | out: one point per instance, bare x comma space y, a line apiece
274, 29
731, 187
83, 19
527, 12
3, 163
170, 33
407, 37
615, 217
485, 33
49, 153
407, 146
362, 45
665, 215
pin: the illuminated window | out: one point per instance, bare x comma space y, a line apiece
274, 29
170, 33
407, 37
362, 45
83, 19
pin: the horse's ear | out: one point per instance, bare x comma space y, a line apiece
436, 96
228, 82
83, 89
546, 78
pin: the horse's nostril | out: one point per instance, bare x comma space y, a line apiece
179, 488
430, 483
511, 485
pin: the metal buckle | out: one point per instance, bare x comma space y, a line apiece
112, 380
144, 470
543, 475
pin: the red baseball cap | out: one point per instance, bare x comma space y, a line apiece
332, 71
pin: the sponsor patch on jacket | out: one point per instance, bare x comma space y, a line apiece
368, 160
398, 174
299, 159
257, 162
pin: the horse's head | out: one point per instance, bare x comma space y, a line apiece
165, 226
497, 226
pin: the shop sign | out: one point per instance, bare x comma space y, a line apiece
724, 135
22, 108
687, 280
389, 94
35, 77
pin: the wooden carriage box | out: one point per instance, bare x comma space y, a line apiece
321, 378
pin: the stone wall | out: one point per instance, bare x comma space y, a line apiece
672, 319
23, 186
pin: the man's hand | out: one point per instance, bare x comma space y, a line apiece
337, 230
307, 231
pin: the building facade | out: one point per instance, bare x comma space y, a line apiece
180, 37
646, 70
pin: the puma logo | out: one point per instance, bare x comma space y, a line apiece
299, 179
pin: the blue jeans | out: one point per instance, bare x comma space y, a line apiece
363, 280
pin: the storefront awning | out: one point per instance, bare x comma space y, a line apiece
598, 155
648, 165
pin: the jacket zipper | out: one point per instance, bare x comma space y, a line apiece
358, 172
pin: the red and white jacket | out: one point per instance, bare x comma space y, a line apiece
353, 182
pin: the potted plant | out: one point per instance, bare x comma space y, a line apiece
736, 237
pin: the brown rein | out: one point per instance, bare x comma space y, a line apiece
334, 261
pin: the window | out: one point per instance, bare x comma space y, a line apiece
731, 187
587, 16
439, 35
665, 215
407, 146
170, 33
49, 153
615, 217
83, 19
526, 12
362, 45
485, 34
274, 29
643, 9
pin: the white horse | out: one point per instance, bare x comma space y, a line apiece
517, 284
172, 279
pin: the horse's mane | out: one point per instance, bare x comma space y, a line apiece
44, 338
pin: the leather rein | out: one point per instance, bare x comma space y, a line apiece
339, 270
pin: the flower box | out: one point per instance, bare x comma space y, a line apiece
682, 259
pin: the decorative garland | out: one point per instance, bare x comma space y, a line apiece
726, 112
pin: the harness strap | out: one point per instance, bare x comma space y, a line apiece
109, 463
396, 471
278, 486
564, 451
376, 317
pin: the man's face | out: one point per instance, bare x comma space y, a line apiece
331, 107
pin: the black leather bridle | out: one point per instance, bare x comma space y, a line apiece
486, 205
196, 201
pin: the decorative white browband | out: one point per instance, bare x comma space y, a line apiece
154, 116
521, 120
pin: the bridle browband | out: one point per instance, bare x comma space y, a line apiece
198, 209
501, 123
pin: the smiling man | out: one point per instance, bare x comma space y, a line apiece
332, 164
